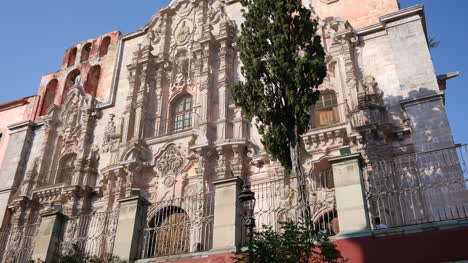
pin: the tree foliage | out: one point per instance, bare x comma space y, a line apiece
283, 64
296, 243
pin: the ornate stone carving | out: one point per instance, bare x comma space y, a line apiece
183, 31
110, 135
170, 161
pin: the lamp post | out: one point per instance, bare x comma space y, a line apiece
247, 199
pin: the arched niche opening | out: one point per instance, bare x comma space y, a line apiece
182, 113
65, 172
72, 57
49, 96
85, 52
104, 48
325, 112
92, 81
72, 79
169, 233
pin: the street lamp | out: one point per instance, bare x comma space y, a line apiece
247, 199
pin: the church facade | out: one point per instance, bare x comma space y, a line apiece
135, 148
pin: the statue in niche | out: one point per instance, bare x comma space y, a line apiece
370, 86
72, 120
77, 80
217, 12
180, 79
183, 31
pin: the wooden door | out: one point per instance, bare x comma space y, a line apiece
173, 235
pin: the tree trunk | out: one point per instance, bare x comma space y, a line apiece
298, 172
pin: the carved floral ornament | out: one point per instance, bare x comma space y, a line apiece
170, 161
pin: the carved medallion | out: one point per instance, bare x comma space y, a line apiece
183, 31
170, 162
169, 181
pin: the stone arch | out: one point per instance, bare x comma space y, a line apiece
49, 96
104, 47
72, 57
86, 52
92, 80
65, 169
169, 231
326, 221
72, 78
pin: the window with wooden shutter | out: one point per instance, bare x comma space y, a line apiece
325, 111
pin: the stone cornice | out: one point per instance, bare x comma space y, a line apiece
421, 99
395, 16
15, 103
21, 125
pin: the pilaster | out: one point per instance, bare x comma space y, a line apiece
132, 217
349, 194
48, 236
227, 215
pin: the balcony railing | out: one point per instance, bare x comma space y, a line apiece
418, 188
17, 243
179, 226
94, 234
277, 201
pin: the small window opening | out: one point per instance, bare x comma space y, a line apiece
72, 57
49, 96
85, 52
104, 46
92, 81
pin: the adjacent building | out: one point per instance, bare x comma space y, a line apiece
135, 147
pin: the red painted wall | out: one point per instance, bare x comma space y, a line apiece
426, 247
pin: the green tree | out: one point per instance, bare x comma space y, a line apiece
283, 64
296, 243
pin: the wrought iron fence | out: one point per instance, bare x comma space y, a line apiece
277, 201
93, 234
179, 226
418, 188
17, 243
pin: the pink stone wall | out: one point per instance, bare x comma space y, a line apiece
11, 113
360, 13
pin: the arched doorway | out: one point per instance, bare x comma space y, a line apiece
169, 233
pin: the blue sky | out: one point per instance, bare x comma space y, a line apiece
36, 33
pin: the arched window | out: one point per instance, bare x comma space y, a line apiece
325, 111
182, 118
65, 172
72, 57
93, 80
49, 96
104, 46
72, 79
85, 52
168, 233
328, 223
